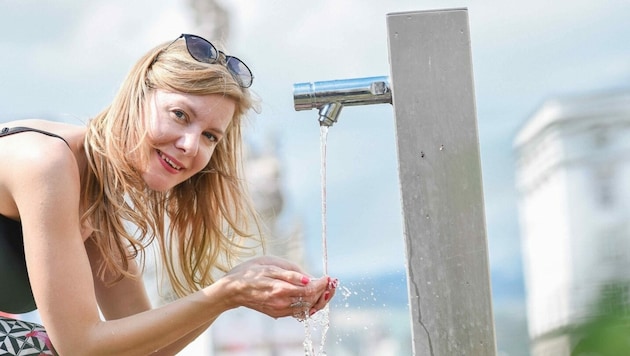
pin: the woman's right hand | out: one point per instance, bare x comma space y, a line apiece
277, 287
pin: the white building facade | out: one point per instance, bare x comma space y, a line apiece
573, 181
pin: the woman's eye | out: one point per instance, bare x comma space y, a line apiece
179, 114
210, 136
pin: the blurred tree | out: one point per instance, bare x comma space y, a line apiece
607, 333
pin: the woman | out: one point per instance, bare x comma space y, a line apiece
165, 157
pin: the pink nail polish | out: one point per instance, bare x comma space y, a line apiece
326, 295
313, 311
305, 280
333, 283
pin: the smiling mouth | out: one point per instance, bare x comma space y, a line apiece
168, 161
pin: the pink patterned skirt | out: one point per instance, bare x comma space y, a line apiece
21, 338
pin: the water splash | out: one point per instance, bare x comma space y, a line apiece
320, 321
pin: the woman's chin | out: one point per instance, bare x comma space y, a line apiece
157, 185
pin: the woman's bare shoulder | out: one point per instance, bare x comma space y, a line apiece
66, 130
19, 147
36, 163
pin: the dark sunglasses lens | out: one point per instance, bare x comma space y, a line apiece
240, 71
201, 50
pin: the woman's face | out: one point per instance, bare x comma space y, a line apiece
183, 131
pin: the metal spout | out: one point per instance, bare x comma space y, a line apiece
330, 96
329, 113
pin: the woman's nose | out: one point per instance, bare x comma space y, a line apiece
188, 143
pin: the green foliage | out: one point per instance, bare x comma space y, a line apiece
608, 332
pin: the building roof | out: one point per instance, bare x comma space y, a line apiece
566, 108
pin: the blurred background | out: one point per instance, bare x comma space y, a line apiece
552, 91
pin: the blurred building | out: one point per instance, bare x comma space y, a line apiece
573, 181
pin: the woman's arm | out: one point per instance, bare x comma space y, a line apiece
129, 297
124, 298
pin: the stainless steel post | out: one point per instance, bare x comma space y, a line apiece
441, 186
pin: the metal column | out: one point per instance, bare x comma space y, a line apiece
441, 186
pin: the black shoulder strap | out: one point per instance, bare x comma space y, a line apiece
13, 130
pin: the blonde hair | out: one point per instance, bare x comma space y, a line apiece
200, 224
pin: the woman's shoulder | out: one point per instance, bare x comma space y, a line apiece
20, 131
63, 129
24, 139
37, 161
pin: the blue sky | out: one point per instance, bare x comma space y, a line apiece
65, 60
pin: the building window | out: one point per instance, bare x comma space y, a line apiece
604, 186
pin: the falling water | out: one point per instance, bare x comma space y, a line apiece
321, 318
323, 139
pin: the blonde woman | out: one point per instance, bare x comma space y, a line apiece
165, 157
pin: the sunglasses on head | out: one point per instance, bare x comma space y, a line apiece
203, 51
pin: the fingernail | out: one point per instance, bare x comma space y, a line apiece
305, 280
333, 283
326, 295
313, 311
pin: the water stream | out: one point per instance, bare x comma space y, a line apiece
321, 319
323, 139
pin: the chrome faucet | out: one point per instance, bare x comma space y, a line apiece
329, 97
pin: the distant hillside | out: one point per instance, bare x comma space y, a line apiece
388, 289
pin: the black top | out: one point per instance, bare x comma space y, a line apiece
15, 295
15, 288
